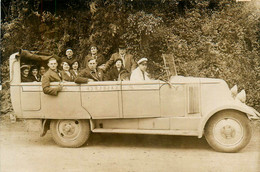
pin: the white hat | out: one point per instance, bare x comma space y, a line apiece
142, 60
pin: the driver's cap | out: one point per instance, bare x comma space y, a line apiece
142, 60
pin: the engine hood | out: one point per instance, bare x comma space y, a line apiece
182, 79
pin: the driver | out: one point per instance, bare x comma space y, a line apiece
140, 74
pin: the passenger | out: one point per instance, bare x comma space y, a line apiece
92, 73
75, 69
140, 74
25, 73
113, 73
69, 56
42, 71
52, 75
124, 76
65, 73
128, 60
95, 55
34, 74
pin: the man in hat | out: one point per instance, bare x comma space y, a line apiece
94, 54
140, 74
90, 74
128, 59
52, 75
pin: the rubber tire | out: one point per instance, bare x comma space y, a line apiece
78, 141
241, 118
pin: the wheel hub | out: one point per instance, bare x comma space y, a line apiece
228, 131
69, 129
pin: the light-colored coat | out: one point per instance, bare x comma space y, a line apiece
138, 75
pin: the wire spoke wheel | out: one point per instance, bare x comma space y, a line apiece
69, 132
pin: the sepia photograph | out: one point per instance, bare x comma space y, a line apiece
130, 86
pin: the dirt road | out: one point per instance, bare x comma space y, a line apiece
23, 151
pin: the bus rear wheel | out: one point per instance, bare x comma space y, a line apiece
228, 131
69, 132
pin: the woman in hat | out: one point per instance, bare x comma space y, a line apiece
114, 73
74, 69
25, 73
34, 74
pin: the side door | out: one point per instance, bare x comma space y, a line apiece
180, 99
66, 105
30, 98
140, 99
102, 99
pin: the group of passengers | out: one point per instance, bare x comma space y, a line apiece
32, 74
121, 66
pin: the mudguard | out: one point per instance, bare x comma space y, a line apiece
238, 106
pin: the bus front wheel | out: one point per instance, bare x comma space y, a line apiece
228, 131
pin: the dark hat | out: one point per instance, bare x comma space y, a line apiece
119, 59
74, 62
34, 67
93, 45
122, 45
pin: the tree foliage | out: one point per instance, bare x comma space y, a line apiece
208, 38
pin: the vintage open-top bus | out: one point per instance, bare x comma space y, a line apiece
181, 106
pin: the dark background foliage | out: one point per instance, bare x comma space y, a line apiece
208, 38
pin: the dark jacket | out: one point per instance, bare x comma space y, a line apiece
86, 74
74, 74
130, 63
99, 58
26, 79
37, 79
69, 61
48, 77
66, 77
113, 74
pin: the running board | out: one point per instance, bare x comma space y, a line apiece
154, 132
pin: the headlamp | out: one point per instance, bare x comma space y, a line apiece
241, 96
234, 91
